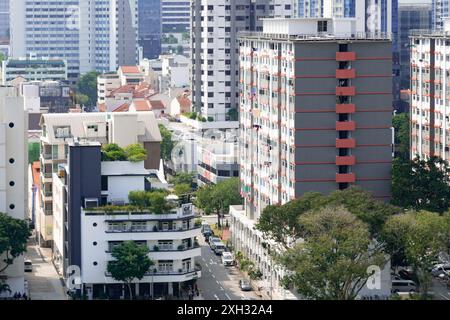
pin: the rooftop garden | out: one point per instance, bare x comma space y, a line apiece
132, 153
155, 202
196, 116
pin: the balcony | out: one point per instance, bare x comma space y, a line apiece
345, 73
345, 161
345, 177
154, 229
345, 125
345, 143
345, 91
346, 56
179, 275
345, 108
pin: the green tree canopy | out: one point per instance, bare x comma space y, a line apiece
130, 262
33, 151
183, 178
400, 123
135, 153
87, 86
167, 144
218, 198
421, 184
14, 234
182, 189
332, 261
420, 237
281, 222
132, 153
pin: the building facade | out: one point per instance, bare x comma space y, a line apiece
13, 172
215, 74
33, 70
175, 24
89, 35
59, 129
315, 115
411, 17
91, 233
429, 94
440, 10
150, 27
4, 19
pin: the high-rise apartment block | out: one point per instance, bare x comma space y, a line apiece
13, 172
315, 115
440, 10
89, 35
430, 62
215, 73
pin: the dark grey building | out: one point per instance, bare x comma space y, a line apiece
149, 12
411, 17
4, 19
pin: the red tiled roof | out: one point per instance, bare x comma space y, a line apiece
129, 69
157, 105
122, 108
141, 105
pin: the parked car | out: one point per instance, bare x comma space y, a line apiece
405, 274
219, 248
227, 258
212, 242
28, 266
245, 285
403, 286
441, 269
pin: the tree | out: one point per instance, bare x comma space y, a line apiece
14, 234
87, 86
167, 144
112, 152
218, 198
2, 57
81, 99
130, 262
182, 189
158, 202
33, 152
331, 263
139, 199
421, 184
135, 153
281, 224
183, 178
4, 287
420, 236
400, 122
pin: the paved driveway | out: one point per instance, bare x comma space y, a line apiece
44, 282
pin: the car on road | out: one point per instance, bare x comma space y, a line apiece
213, 241
219, 247
403, 286
28, 266
245, 285
441, 269
227, 258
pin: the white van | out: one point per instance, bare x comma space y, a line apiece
28, 266
403, 286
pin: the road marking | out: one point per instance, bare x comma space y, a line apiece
215, 296
213, 276
203, 259
222, 289
209, 270
226, 294
218, 282
444, 296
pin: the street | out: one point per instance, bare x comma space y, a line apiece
440, 290
43, 282
219, 282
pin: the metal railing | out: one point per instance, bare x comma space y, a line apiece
317, 36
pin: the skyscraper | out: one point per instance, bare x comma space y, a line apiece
175, 21
325, 8
411, 17
215, 24
440, 10
90, 35
4, 19
150, 27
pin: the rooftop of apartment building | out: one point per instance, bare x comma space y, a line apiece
146, 124
313, 29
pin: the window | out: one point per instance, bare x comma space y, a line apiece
104, 183
165, 265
